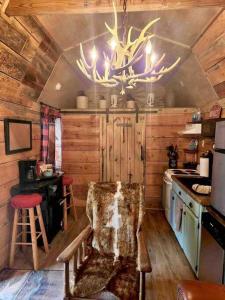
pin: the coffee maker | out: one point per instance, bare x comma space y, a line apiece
27, 171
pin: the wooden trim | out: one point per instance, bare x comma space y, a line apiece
40, 7
68, 253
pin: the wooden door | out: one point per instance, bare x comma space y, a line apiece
122, 148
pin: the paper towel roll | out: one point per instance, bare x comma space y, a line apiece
204, 166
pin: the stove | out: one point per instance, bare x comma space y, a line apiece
167, 187
183, 172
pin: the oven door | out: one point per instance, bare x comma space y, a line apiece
167, 188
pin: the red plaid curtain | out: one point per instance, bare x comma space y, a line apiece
48, 115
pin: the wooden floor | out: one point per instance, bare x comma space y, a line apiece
168, 261
169, 265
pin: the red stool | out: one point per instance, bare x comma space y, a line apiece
68, 192
22, 205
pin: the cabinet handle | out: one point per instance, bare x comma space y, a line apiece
179, 192
172, 198
184, 213
190, 205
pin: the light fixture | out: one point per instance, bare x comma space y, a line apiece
120, 65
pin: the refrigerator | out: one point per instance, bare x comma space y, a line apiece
218, 174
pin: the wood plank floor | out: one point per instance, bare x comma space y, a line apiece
169, 265
168, 261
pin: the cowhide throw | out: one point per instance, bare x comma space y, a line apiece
115, 211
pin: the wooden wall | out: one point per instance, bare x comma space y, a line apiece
210, 50
161, 131
81, 151
27, 57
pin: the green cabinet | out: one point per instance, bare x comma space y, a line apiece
190, 237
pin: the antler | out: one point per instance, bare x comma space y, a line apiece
119, 67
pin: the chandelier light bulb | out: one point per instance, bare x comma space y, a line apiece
113, 44
148, 48
154, 58
106, 64
94, 54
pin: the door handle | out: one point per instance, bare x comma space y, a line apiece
142, 153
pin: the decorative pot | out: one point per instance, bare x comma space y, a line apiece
82, 102
103, 103
130, 103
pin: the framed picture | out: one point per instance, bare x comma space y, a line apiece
18, 136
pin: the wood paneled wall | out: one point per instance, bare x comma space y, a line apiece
81, 151
27, 57
161, 131
210, 50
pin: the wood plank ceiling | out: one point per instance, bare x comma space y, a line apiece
169, 38
182, 24
37, 7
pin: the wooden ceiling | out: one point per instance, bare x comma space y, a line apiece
182, 24
38, 7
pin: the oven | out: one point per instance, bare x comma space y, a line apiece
167, 199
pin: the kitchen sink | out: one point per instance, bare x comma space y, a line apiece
189, 181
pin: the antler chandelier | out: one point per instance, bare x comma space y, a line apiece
119, 66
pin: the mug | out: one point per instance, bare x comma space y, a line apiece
114, 100
151, 99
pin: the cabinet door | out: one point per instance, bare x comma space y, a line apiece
190, 237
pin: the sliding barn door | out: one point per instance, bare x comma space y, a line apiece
122, 148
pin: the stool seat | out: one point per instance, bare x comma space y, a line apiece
67, 180
26, 200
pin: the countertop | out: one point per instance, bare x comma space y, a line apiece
201, 199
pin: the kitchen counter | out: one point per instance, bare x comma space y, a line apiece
201, 199
216, 215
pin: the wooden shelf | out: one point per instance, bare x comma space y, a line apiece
190, 135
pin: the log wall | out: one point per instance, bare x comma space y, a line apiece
210, 51
161, 131
82, 151
27, 57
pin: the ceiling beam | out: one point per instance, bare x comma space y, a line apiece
41, 7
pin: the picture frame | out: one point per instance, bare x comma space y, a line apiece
18, 136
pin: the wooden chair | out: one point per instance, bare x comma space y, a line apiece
23, 204
115, 211
68, 192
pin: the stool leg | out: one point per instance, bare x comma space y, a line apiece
65, 221
42, 226
14, 236
72, 202
33, 238
24, 228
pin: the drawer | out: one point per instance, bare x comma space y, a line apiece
190, 203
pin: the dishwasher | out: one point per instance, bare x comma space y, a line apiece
211, 264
